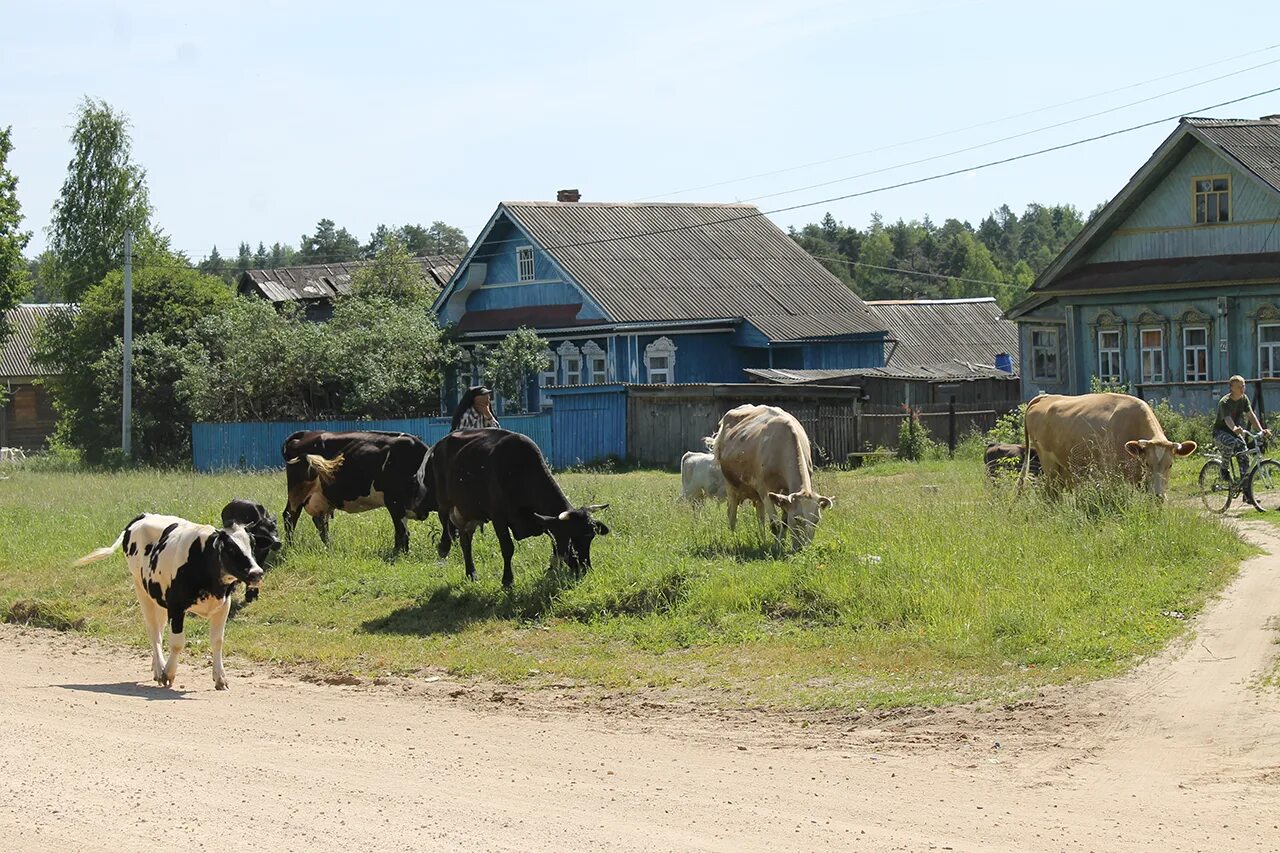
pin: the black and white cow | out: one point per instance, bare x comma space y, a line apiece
500, 476
260, 526
356, 472
180, 566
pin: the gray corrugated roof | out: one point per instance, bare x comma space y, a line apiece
953, 371
15, 355
685, 262
1255, 144
326, 281
938, 331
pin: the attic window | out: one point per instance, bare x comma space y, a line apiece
1212, 199
524, 263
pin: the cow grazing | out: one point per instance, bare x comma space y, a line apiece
180, 566
1099, 434
356, 472
764, 455
700, 477
260, 526
1008, 457
500, 476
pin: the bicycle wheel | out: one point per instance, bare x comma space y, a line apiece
1266, 484
1215, 487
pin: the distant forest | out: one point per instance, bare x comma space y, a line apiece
922, 260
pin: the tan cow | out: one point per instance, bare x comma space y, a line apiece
764, 455
1099, 434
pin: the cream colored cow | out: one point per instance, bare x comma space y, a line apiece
1099, 435
764, 455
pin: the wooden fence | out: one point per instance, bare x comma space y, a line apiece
946, 423
664, 421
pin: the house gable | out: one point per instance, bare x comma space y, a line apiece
1163, 225
492, 288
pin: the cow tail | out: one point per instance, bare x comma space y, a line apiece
102, 553
324, 469
1026, 451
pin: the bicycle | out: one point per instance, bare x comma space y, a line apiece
1219, 486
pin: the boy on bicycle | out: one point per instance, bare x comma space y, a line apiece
1228, 433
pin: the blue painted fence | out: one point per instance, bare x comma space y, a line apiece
252, 446
589, 423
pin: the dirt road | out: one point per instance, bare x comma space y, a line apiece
1184, 754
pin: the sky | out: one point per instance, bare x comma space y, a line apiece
255, 120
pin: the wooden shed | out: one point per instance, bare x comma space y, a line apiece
28, 418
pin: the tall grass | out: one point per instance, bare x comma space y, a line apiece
924, 584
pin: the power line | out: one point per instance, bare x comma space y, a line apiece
954, 131
935, 177
1012, 136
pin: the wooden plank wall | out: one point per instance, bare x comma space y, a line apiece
664, 423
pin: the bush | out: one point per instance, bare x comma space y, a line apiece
1008, 428
913, 439
1180, 426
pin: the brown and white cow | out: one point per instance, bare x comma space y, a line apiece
1099, 435
764, 455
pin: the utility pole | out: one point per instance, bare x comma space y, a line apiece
126, 434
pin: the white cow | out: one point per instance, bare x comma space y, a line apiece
764, 455
179, 566
700, 477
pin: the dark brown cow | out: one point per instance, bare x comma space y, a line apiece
997, 454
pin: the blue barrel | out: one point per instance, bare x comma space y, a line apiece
1004, 362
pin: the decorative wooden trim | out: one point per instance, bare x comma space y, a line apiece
1266, 313
1195, 317
1108, 319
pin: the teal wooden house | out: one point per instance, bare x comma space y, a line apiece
1175, 285
648, 293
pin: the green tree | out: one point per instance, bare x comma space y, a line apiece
260, 257
104, 194
393, 274
509, 364
439, 238
388, 358
14, 279
328, 245
169, 299
222, 376
213, 264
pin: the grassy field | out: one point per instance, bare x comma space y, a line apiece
924, 585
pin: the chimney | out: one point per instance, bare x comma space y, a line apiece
568, 195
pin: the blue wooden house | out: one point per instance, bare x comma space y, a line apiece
1175, 285
652, 293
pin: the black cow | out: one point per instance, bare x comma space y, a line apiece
500, 476
356, 472
997, 453
260, 526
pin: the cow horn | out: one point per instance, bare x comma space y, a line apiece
594, 507
564, 516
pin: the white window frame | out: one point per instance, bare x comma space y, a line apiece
1268, 367
549, 377
1053, 349
525, 269
661, 348
595, 364
571, 361
1110, 356
1189, 348
1155, 352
